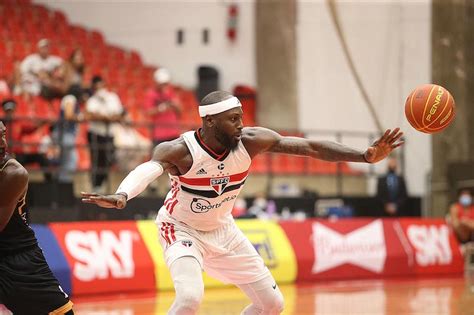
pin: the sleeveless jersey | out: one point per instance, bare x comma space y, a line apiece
17, 235
203, 198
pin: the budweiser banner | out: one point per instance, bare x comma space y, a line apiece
372, 248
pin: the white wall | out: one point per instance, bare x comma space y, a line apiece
390, 42
150, 27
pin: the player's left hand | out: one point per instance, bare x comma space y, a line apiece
382, 147
117, 201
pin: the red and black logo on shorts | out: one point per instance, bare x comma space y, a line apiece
187, 243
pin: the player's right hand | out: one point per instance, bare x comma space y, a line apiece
117, 201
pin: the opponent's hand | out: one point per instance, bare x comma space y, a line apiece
117, 201
382, 147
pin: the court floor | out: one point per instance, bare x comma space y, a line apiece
443, 295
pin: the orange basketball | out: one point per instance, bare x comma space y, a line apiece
430, 108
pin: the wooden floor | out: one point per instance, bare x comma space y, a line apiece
396, 296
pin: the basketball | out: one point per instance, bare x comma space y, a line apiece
430, 108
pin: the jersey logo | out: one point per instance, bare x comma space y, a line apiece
221, 167
187, 243
219, 184
201, 172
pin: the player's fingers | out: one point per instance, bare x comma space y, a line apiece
396, 137
385, 135
396, 145
392, 134
86, 194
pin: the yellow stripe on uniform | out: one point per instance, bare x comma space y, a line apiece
63, 309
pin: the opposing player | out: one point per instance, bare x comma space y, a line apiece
27, 285
208, 168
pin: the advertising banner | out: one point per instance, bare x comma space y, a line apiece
105, 256
372, 248
433, 247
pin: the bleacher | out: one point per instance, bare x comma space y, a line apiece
24, 24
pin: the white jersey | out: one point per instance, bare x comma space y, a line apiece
203, 198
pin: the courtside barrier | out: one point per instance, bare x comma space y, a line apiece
105, 256
124, 256
368, 248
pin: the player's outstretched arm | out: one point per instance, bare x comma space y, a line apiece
13, 186
138, 179
258, 140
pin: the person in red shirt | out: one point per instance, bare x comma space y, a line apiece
162, 106
462, 216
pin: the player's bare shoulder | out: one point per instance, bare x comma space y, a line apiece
13, 176
258, 139
173, 156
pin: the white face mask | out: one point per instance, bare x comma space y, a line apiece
465, 200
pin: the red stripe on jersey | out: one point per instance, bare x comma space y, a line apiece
207, 181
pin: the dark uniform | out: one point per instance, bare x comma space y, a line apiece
27, 285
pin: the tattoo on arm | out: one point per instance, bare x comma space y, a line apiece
324, 150
332, 151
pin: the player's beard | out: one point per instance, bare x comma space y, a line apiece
3, 154
228, 141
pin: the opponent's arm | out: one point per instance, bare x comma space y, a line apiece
13, 186
137, 180
261, 140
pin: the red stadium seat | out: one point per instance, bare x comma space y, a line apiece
260, 164
135, 58
59, 19
96, 39
41, 13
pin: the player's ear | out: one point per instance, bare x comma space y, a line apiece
209, 121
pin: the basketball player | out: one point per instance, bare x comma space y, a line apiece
208, 168
27, 285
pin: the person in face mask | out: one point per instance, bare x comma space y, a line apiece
392, 191
462, 216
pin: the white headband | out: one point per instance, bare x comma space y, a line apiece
219, 107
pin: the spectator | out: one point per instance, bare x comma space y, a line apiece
55, 85
392, 191
65, 133
18, 131
36, 70
461, 216
162, 105
102, 110
131, 148
74, 71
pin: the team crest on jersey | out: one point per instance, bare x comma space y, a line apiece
187, 243
219, 184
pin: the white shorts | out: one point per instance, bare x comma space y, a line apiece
224, 253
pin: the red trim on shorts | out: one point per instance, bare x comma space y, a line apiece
164, 233
172, 233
